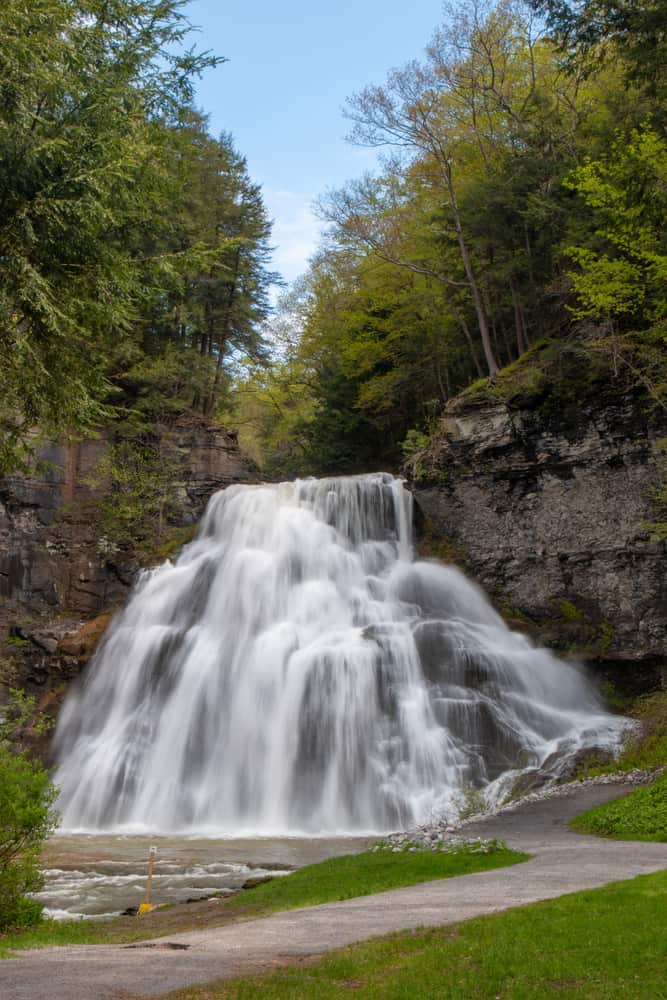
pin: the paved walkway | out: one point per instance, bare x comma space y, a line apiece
563, 862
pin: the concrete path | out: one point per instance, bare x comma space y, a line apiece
564, 862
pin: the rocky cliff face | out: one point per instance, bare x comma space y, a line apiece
548, 508
58, 580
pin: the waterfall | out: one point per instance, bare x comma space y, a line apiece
296, 671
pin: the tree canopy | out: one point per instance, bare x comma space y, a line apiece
133, 244
520, 200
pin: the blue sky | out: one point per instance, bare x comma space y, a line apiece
291, 66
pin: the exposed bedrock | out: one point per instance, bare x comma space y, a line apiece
57, 577
549, 510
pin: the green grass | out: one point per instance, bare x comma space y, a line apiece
372, 871
338, 878
642, 815
53, 933
602, 944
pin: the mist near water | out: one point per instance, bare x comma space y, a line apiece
296, 671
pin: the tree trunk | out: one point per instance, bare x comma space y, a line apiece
222, 343
521, 345
213, 394
524, 328
482, 321
444, 392
468, 336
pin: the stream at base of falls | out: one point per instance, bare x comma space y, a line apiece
91, 875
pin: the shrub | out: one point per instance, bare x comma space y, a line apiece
26, 818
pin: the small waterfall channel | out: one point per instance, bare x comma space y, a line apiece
296, 671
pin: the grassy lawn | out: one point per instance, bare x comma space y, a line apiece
602, 944
326, 882
642, 815
374, 871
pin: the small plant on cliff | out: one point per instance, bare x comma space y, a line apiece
27, 817
570, 612
137, 478
414, 448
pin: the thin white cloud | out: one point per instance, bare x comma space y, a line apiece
296, 231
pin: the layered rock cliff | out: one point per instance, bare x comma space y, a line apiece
58, 579
549, 507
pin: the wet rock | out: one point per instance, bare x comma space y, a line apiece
273, 866
82, 642
584, 759
45, 640
529, 781
251, 883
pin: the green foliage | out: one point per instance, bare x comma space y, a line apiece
26, 818
88, 94
19, 713
606, 638
526, 208
621, 275
642, 815
414, 445
137, 481
175, 539
570, 612
520, 232
617, 700
471, 802
637, 31
557, 376
134, 244
649, 747
15, 640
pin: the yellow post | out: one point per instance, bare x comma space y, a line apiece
146, 906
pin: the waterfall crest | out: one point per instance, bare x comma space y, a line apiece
296, 671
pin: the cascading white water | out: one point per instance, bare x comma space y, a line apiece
297, 671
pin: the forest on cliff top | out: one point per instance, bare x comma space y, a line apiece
519, 207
